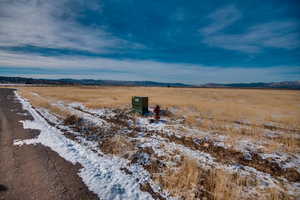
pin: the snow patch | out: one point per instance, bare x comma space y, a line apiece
101, 174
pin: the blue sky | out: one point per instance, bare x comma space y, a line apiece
170, 41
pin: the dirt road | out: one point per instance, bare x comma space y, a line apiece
32, 172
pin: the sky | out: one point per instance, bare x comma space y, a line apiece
168, 41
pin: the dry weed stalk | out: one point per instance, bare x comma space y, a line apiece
117, 145
181, 181
189, 181
275, 194
226, 186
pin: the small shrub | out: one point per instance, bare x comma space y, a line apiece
72, 120
117, 145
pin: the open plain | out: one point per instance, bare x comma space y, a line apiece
208, 144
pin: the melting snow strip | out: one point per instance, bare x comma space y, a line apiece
72, 109
101, 174
206, 161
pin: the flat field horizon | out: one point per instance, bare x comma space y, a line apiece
209, 143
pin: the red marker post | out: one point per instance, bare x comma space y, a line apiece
157, 112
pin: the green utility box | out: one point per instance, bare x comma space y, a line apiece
140, 104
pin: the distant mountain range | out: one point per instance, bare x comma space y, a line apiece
278, 85
21, 80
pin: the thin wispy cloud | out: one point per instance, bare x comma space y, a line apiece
52, 24
191, 42
221, 19
276, 34
103, 68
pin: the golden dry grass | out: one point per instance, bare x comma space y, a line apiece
187, 180
225, 186
182, 181
275, 194
43, 102
232, 186
217, 109
117, 145
281, 106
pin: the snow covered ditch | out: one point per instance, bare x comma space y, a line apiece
102, 174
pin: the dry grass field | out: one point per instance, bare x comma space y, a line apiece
208, 109
253, 105
249, 115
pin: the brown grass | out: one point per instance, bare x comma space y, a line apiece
209, 109
275, 194
42, 102
182, 181
225, 186
189, 181
117, 145
281, 106
288, 142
